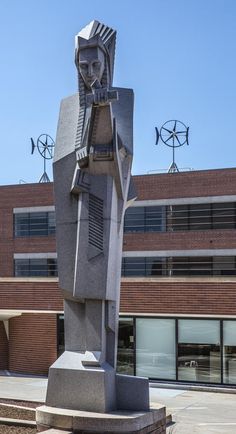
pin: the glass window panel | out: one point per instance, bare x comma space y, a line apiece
229, 333
125, 354
51, 223
223, 215
178, 266
199, 362
199, 331
21, 222
52, 267
154, 218
21, 267
178, 218
155, 266
199, 350
38, 224
200, 217
134, 267
200, 266
224, 266
155, 348
61, 335
38, 267
134, 219
34, 224
229, 352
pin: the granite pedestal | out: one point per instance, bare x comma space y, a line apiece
118, 422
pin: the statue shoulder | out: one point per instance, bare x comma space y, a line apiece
70, 101
124, 92
67, 126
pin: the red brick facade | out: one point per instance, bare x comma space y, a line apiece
179, 296
200, 183
32, 345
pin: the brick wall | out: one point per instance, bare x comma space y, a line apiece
3, 347
33, 343
212, 239
186, 184
172, 296
16, 196
34, 294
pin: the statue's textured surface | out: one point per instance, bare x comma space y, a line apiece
92, 177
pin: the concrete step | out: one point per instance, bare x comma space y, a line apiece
17, 422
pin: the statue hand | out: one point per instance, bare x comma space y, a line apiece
100, 96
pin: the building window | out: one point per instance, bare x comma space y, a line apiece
187, 350
125, 353
34, 224
155, 348
35, 267
141, 266
199, 351
179, 266
145, 219
194, 217
229, 352
190, 266
198, 217
60, 335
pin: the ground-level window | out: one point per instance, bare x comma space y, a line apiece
60, 335
125, 357
155, 357
175, 349
199, 351
229, 351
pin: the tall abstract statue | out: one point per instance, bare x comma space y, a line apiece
92, 178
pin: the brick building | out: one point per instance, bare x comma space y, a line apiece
178, 291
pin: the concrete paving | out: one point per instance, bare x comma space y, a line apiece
198, 412
194, 412
23, 388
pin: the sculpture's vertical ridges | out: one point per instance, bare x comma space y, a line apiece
96, 222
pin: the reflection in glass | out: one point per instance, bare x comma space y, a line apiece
199, 351
198, 362
155, 348
229, 354
60, 335
125, 353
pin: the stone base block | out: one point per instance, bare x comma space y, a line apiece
132, 393
72, 384
119, 422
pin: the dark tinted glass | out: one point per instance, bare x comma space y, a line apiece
178, 218
134, 219
200, 217
223, 215
40, 267
125, 353
34, 224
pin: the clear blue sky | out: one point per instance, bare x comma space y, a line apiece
179, 56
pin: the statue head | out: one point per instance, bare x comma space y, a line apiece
94, 55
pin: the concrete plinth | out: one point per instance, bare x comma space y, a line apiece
118, 422
72, 384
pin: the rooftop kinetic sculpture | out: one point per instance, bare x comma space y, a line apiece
173, 134
93, 187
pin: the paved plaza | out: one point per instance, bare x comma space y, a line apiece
194, 412
197, 412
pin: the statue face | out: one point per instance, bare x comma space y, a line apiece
91, 65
